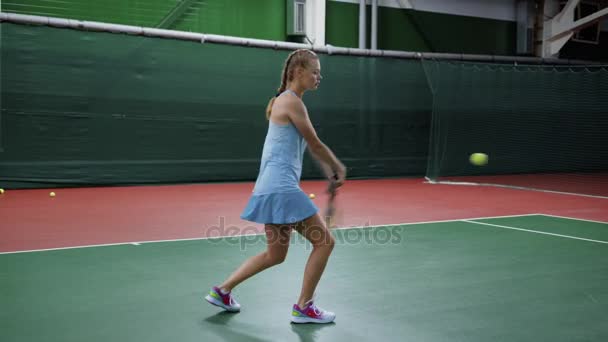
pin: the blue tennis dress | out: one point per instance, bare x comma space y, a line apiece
277, 197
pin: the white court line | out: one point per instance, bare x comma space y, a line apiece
515, 187
128, 243
573, 218
535, 231
137, 243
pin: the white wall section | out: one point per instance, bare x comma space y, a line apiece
490, 9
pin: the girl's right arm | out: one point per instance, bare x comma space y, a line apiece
299, 117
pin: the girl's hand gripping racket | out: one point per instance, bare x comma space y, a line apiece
330, 211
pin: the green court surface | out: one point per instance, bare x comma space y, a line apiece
477, 280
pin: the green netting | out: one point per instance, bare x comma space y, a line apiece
528, 119
1, 107
100, 108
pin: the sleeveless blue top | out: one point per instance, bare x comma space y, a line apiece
277, 197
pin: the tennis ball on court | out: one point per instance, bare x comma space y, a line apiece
312, 196
52, 194
1, 191
478, 159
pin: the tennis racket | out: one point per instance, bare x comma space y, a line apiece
330, 211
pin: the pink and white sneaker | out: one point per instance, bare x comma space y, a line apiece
311, 313
223, 300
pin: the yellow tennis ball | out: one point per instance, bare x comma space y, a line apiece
312, 196
52, 194
1, 191
478, 159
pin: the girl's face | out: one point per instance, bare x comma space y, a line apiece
310, 77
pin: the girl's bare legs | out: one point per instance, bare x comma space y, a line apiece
277, 237
315, 231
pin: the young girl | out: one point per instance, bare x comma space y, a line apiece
277, 200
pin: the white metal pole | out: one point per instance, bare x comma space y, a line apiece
374, 37
362, 28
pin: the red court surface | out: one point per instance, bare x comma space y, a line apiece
91, 216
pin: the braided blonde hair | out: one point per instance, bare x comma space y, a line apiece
298, 58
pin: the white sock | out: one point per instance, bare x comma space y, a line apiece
223, 291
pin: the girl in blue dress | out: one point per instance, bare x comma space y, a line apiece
277, 200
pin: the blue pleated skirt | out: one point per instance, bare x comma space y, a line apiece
279, 208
